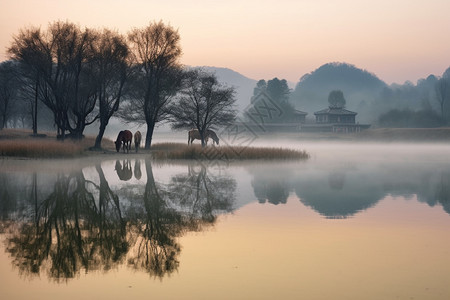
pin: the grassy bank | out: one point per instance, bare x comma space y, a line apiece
183, 151
40, 148
21, 143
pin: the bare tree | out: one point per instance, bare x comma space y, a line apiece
336, 99
156, 50
59, 56
110, 62
9, 86
29, 51
203, 104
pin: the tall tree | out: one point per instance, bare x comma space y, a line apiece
156, 52
336, 99
261, 85
29, 50
203, 104
60, 56
110, 60
9, 86
278, 90
443, 95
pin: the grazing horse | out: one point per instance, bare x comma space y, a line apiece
124, 138
137, 140
213, 135
194, 134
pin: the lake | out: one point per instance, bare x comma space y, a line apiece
355, 221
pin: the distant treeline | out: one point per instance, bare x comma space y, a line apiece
425, 104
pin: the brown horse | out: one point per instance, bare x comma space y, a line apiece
194, 134
124, 138
213, 135
137, 140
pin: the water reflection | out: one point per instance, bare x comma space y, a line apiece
78, 222
342, 190
205, 195
271, 185
124, 170
98, 218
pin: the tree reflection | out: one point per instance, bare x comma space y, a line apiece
153, 230
270, 190
71, 230
203, 194
83, 224
443, 191
169, 213
272, 186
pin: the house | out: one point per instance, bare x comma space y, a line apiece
334, 119
298, 116
268, 115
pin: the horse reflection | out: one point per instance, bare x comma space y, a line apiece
137, 169
124, 170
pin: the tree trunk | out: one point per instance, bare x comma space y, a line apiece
149, 135
35, 108
202, 137
98, 139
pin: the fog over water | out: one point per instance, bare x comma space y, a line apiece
361, 210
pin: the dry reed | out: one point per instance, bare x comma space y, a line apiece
40, 148
183, 151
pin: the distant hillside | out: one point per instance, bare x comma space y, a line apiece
244, 85
360, 88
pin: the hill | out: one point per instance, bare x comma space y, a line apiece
244, 85
360, 88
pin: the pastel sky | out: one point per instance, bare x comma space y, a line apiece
397, 40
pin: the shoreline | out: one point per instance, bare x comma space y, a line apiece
46, 142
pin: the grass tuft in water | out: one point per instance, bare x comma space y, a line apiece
183, 151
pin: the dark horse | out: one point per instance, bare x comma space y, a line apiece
124, 138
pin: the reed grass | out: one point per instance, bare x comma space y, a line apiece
183, 151
22, 143
40, 148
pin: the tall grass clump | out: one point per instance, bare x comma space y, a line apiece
40, 148
183, 151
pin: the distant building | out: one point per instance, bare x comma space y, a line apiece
299, 116
268, 115
334, 119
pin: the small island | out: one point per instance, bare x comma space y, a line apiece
16, 143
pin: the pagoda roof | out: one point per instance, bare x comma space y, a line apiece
299, 112
335, 111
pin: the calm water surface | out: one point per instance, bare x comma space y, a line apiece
356, 221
